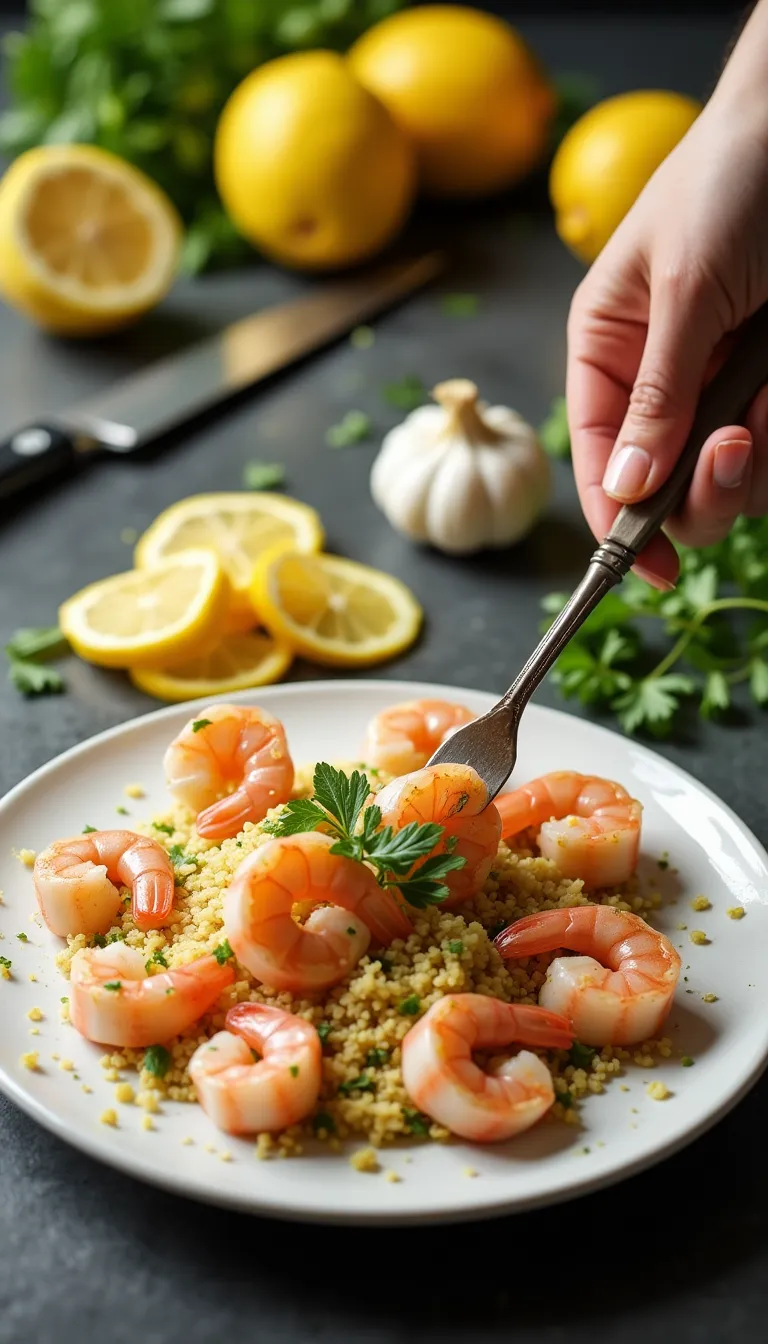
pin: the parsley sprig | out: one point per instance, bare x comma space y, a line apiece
337, 806
644, 654
27, 650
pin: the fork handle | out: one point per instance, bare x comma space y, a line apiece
722, 402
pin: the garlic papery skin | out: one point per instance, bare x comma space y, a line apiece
461, 475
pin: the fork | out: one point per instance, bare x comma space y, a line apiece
489, 743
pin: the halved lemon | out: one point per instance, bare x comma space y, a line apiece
149, 617
334, 611
87, 242
237, 663
239, 528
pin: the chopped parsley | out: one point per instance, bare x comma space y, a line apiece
407, 393
118, 936
263, 475
294, 1070
351, 931
223, 952
416, 1122
98, 940
6, 962
323, 1121
361, 1084
26, 650
113, 985
164, 827
22, 937
410, 1007
376, 1058
122, 811
178, 858
89, 830
456, 947
199, 724
157, 1060
687, 1062
496, 929
324, 1030
354, 427
157, 959
581, 1056
565, 1099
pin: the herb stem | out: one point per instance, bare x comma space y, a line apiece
722, 604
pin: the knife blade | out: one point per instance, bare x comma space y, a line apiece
176, 390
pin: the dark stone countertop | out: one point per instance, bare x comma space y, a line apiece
680, 1251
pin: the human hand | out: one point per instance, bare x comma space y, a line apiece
650, 324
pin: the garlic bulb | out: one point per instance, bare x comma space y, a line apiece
461, 475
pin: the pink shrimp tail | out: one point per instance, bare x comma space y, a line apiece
543, 932
226, 818
540, 1027
255, 1022
152, 900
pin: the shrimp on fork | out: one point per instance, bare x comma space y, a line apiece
589, 827
442, 1079
78, 881
403, 737
243, 1096
230, 765
620, 990
456, 798
300, 869
113, 1001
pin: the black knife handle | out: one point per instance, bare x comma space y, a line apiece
35, 454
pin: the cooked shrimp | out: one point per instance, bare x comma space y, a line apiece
77, 882
620, 991
455, 797
403, 737
230, 764
246, 1097
590, 827
442, 1079
113, 1001
301, 869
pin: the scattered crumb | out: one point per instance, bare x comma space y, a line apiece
365, 1159
146, 1122
108, 1117
736, 912
623, 1087
34, 1031
709, 998
5, 970
686, 1061
658, 1091
226, 1156
55, 1056
187, 1140
148, 1101
681, 927
699, 937
33, 978
701, 903
67, 1065
393, 1177
27, 857
469, 1171
35, 1014
30, 1061
125, 1093
86, 1088
209, 1148
111, 1076
134, 791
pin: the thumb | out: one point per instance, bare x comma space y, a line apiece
681, 338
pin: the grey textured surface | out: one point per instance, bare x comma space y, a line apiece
680, 1251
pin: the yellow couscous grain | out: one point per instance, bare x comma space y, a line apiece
736, 912
146, 1122
701, 903
698, 937
30, 1060
365, 1159
27, 857
658, 1091
108, 1117
134, 791
67, 1065
393, 1177
709, 998
148, 1102
125, 1093
35, 1015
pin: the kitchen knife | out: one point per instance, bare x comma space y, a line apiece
170, 393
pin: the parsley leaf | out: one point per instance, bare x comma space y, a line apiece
426, 887
416, 1122
178, 858
376, 1058
410, 1006
263, 475
361, 1084
163, 826
6, 962
157, 1060
407, 393
89, 830
299, 815
652, 703
341, 795
36, 642
324, 1030
581, 1056
353, 428
223, 952
397, 851
114, 985
554, 435
199, 724
323, 1121
31, 679
758, 680
717, 695
157, 959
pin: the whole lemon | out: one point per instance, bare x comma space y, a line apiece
467, 91
605, 160
310, 166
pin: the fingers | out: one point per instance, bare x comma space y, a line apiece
757, 424
678, 350
719, 490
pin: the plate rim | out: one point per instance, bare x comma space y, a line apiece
617, 1168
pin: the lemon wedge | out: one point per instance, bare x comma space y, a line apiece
239, 528
237, 663
334, 611
150, 617
87, 242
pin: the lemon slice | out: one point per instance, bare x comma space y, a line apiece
149, 617
239, 528
334, 611
87, 242
237, 663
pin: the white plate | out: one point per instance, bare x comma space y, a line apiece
624, 1130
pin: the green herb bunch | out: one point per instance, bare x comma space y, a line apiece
338, 807
147, 79
643, 654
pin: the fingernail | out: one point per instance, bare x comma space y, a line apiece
627, 471
653, 579
731, 462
